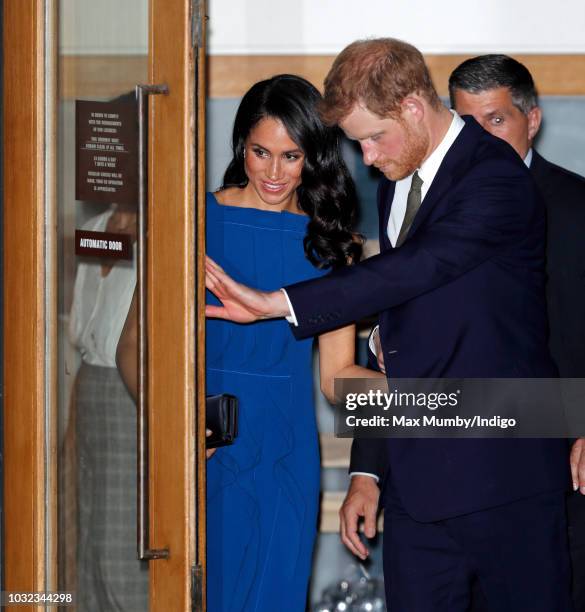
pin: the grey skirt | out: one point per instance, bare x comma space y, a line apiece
109, 575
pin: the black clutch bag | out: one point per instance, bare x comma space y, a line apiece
221, 415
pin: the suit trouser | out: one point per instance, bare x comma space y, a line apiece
576, 518
516, 552
576, 530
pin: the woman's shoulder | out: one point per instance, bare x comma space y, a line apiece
227, 205
225, 200
230, 196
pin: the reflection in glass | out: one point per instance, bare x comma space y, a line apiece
105, 428
98, 61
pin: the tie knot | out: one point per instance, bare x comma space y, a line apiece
416, 183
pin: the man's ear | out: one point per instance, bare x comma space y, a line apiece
413, 108
534, 119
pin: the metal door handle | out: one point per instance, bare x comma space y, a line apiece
144, 550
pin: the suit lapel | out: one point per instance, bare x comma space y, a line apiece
385, 197
454, 164
539, 170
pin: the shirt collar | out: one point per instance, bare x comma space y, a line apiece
430, 166
528, 158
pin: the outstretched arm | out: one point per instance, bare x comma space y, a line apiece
240, 303
487, 216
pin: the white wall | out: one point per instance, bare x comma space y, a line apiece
455, 26
326, 26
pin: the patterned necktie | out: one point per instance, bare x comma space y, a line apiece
412, 205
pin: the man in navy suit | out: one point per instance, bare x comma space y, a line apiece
459, 285
500, 94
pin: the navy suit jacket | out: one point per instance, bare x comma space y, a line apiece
464, 296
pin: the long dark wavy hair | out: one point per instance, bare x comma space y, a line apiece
327, 193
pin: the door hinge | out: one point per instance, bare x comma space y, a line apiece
197, 588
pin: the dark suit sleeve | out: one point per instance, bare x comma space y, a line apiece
489, 211
369, 455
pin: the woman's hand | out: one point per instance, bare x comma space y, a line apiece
209, 452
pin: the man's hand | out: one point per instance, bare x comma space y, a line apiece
240, 303
578, 465
361, 501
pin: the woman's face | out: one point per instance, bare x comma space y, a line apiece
273, 164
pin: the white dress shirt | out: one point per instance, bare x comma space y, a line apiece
101, 303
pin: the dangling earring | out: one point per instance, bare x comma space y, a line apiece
244, 152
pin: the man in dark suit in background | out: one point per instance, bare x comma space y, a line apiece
500, 94
459, 285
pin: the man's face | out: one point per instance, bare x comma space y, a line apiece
494, 110
397, 147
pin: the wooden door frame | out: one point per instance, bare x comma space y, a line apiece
24, 308
176, 386
174, 321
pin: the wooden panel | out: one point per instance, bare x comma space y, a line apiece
230, 76
171, 307
201, 459
554, 75
24, 426
51, 273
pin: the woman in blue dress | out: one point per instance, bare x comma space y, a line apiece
284, 214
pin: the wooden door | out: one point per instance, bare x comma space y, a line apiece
55, 54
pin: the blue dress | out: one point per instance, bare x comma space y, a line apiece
262, 492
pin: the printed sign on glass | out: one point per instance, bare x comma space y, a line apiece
107, 152
103, 244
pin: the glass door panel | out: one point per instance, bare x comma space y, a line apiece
103, 55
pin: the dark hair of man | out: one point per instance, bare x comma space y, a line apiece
327, 193
486, 72
378, 74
